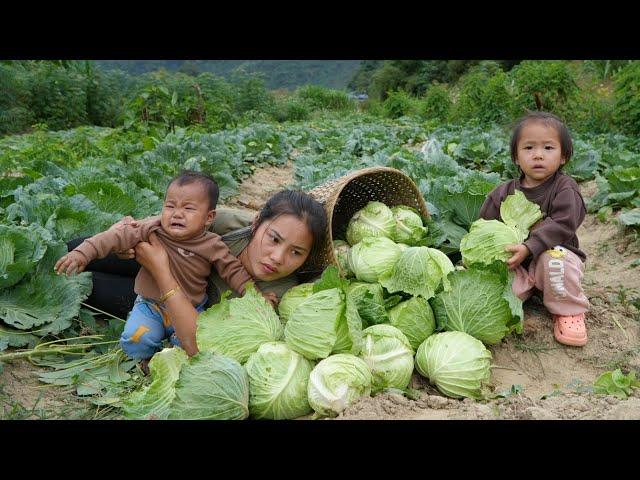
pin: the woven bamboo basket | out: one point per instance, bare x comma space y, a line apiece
343, 197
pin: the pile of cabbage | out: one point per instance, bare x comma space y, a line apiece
392, 306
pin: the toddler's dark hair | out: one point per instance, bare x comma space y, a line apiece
549, 119
186, 177
302, 206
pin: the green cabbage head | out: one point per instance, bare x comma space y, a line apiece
211, 387
336, 382
21, 248
278, 380
373, 257
236, 328
292, 298
414, 318
418, 271
409, 228
389, 356
487, 240
312, 329
154, 400
455, 362
480, 303
374, 220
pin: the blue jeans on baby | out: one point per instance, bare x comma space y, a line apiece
147, 326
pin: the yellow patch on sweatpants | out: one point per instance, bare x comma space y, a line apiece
135, 338
556, 253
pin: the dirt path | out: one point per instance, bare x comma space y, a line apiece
24, 397
257, 189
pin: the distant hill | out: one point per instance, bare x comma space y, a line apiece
277, 73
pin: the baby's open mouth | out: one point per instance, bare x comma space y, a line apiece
177, 225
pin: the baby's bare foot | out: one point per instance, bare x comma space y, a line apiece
144, 366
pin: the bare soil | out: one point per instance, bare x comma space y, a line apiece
539, 378
23, 396
258, 188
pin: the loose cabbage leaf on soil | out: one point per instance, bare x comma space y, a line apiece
616, 383
10, 337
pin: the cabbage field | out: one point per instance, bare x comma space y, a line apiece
411, 331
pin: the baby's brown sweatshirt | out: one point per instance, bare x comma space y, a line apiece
189, 260
562, 207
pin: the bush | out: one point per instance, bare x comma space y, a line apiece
604, 69
627, 98
219, 99
594, 110
325, 98
397, 104
15, 116
386, 79
483, 95
107, 96
58, 96
554, 81
291, 108
251, 94
372, 107
254, 116
436, 103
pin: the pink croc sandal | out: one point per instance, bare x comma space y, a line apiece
570, 330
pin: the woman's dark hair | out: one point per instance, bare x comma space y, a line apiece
549, 119
302, 206
186, 177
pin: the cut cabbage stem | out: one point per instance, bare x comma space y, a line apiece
500, 367
101, 311
48, 348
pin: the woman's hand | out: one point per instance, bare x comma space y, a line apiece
152, 256
272, 298
520, 252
